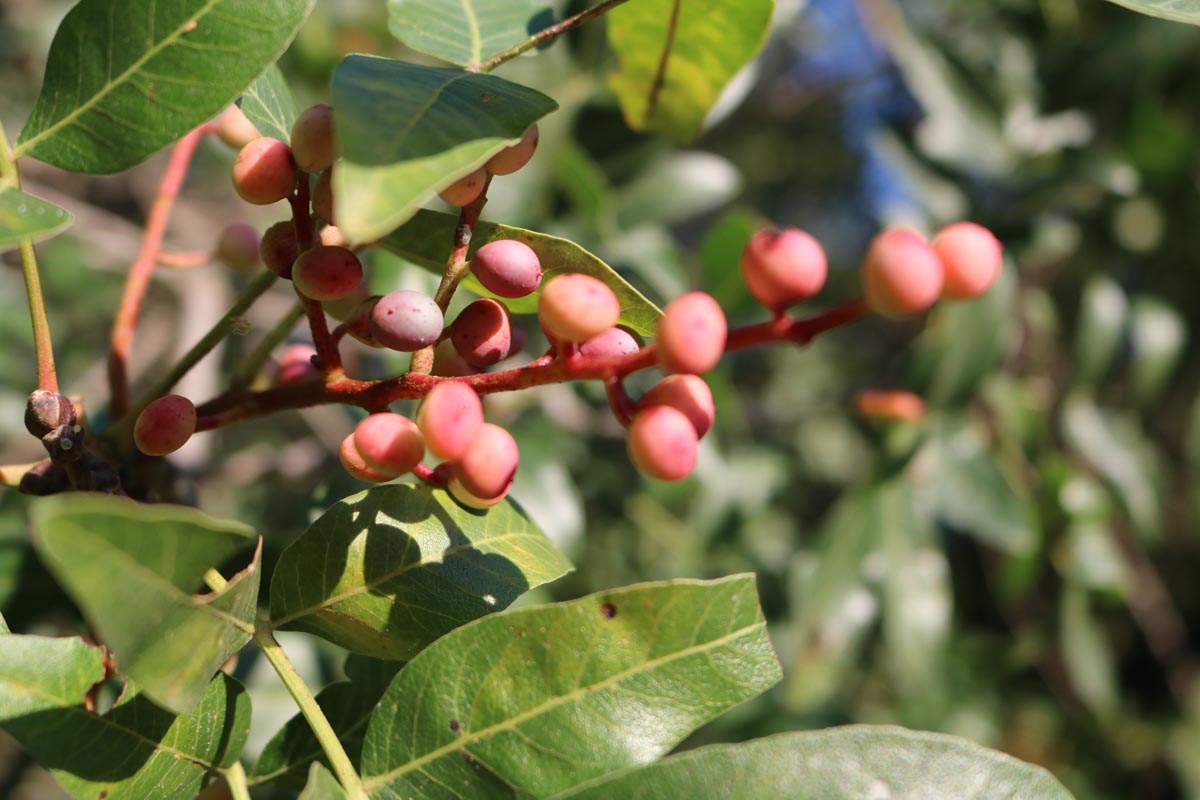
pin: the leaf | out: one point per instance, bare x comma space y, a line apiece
425, 240
676, 188
534, 701
322, 785
675, 57
1176, 10
1086, 653
386, 571
24, 216
1100, 330
133, 569
348, 705
442, 124
124, 80
1157, 335
855, 762
466, 31
269, 105
136, 750
4, 625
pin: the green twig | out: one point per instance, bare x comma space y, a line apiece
235, 776
252, 364
545, 35
47, 375
342, 766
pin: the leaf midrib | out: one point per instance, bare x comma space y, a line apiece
554, 702
23, 148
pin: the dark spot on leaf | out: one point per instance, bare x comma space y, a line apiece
454, 726
103, 794
608, 610
487, 97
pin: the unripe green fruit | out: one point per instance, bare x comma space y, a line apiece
507, 268
576, 307
165, 425
466, 189
327, 273
691, 334
486, 469
312, 139
450, 418
971, 257
688, 394
237, 246
405, 321
511, 159
234, 129
902, 275
663, 443
391, 444
264, 171
782, 268
353, 462
482, 333
279, 248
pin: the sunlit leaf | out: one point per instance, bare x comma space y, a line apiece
425, 240
24, 216
388, 570
534, 701
466, 31
675, 57
1177, 10
268, 104
441, 123
135, 570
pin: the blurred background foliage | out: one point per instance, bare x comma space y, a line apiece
1018, 567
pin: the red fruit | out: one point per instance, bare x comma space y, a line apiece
312, 139
507, 268
971, 257
165, 425
279, 248
782, 268
405, 320
486, 469
576, 307
450, 418
482, 334
691, 334
466, 189
327, 273
618, 341
663, 443
901, 273
264, 171
686, 393
237, 246
354, 464
296, 365
890, 405
391, 444
511, 159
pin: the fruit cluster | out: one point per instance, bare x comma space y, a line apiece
580, 315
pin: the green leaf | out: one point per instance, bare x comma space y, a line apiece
136, 750
322, 785
534, 701
675, 57
1157, 335
3, 625
425, 240
1100, 330
125, 80
386, 571
269, 105
442, 124
466, 31
134, 570
347, 704
856, 762
1176, 10
24, 216
1087, 654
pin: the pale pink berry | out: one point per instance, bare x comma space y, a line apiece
971, 257
691, 334
901, 273
663, 443
782, 268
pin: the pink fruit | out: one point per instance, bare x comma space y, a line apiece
312, 139
486, 469
686, 393
391, 444
264, 171
466, 189
782, 268
576, 307
327, 273
165, 425
511, 159
507, 268
450, 418
901, 273
663, 443
971, 257
354, 464
691, 334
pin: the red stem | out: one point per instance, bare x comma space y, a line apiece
233, 407
138, 280
324, 342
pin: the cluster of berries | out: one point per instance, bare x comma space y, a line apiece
902, 275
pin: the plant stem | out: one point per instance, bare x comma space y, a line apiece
327, 350
138, 279
545, 35
235, 776
47, 375
342, 766
252, 364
